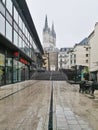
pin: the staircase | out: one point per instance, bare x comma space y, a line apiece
49, 75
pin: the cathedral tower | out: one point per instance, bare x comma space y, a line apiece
49, 36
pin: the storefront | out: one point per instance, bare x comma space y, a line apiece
13, 69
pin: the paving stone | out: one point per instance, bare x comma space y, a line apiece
74, 127
72, 121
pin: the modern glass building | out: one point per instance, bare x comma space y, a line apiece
20, 47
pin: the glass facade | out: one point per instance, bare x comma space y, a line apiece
16, 30
22, 37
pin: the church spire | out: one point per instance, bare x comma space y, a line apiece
46, 24
52, 27
52, 31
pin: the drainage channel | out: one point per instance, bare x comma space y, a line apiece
50, 124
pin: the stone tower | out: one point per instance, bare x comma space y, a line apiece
49, 36
49, 45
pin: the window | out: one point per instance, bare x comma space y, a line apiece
23, 28
15, 27
74, 55
86, 55
20, 43
3, 1
8, 31
8, 70
9, 6
15, 15
74, 61
15, 38
2, 22
20, 33
86, 49
86, 61
2, 9
9, 18
20, 22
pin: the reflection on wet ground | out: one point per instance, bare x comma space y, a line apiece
29, 108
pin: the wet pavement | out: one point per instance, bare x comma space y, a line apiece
28, 107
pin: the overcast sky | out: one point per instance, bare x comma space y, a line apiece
73, 19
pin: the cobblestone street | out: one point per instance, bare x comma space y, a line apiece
29, 108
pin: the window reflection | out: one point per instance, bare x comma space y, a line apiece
15, 15
20, 43
20, 22
2, 9
8, 31
3, 1
9, 6
9, 18
15, 38
2, 22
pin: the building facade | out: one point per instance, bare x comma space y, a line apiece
93, 49
19, 42
63, 58
79, 55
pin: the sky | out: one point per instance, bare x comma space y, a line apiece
73, 19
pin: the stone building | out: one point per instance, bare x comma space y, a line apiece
93, 50
63, 58
49, 45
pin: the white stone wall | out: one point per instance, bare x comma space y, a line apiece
79, 56
46, 39
93, 43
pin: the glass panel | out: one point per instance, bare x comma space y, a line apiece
3, 1
24, 28
20, 32
20, 22
23, 45
15, 15
23, 72
15, 27
8, 70
15, 38
2, 22
9, 6
26, 73
9, 18
19, 71
2, 9
15, 72
8, 31
20, 43
2, 69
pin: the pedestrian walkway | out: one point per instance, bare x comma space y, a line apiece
64, 116
32, 107
10, 89
67, 120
